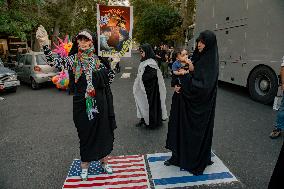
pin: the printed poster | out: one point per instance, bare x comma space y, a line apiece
114, 30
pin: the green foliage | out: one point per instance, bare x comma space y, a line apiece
158, 21
154, 22
18, 17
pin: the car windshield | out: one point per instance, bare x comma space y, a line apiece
40, 59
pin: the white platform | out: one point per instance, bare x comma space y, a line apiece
172, 177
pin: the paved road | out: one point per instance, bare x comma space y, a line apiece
38, 140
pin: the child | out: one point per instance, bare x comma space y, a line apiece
105, 35
181, 66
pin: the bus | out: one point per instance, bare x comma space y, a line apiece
250, 36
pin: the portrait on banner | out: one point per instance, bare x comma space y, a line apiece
114, 30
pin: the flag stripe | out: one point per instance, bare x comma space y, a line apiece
126, 186
105, 178
164, 158
128, 170
125, 166
106, 175
132, 187
127, 161
186, 179
125, 157
105, 183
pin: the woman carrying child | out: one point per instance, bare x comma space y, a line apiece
191, 121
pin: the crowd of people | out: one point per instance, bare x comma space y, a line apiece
191, 118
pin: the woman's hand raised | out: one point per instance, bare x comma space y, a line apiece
42, 36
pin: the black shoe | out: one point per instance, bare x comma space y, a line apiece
196, 173
167, 163
211, 163
275, 133
141, 123
170, 162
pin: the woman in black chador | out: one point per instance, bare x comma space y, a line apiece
93, 112
192, 113
149, 90
276, 180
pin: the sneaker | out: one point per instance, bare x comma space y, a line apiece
275, 133
84, 174
107, 168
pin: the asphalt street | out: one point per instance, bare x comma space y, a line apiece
38, 140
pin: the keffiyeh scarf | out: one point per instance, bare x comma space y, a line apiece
84, 62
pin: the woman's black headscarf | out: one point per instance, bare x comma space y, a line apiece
209, 39
206, 62
149, 53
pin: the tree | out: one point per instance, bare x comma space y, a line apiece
21, 17
18, 17
175, 32
186, 8
154, 21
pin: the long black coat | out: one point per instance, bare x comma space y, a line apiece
191, 121
96, 136
150, 81
276, 180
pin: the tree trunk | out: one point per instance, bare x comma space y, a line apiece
55, 31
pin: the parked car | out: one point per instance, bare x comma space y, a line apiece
32, 68
8, 79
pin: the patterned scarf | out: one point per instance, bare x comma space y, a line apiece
81, 60
84, 62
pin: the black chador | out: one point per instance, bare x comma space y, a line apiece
192, 113
276, 180
96, 136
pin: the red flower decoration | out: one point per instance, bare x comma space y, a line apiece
92, 93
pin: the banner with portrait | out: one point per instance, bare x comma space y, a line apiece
114, 30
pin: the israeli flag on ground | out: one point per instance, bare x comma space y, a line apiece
172, 177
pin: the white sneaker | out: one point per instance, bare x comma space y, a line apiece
107, 168
84, 174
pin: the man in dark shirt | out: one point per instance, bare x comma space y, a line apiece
163, 62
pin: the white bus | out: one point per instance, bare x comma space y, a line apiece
250, 35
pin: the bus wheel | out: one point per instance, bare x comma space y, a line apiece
263, 85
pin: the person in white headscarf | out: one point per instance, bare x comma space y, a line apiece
149, 90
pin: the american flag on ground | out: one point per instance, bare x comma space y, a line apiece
129, 172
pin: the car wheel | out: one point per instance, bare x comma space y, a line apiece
263, 84
34, 84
